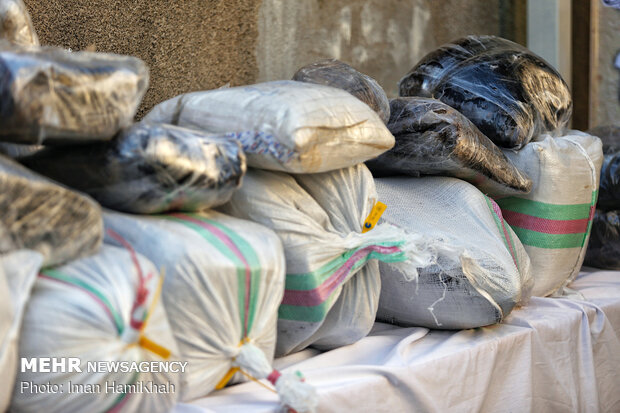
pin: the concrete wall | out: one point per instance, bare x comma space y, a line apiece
606, 99
202, 44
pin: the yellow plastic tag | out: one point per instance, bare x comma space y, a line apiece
161, 351
374, 216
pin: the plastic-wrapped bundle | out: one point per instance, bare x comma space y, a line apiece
434, 139
609, 193
15, 24
332, 281
16, 150
52, 95
103, 308
604, 246
149, 168
285, 125
332, 72
508, 92
479, 271
40, 215
225, 279
553, 221
18, 271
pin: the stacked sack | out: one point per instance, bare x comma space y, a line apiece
69, 116
604, 247
489, 111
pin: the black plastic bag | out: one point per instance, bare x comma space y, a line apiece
149, 168
508, 92
609, 190
40, 215
55, 96
604, 246
434, 139
332, 72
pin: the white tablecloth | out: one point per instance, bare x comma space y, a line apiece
554, 355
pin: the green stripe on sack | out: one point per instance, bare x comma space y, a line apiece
307, 314
311, 280
544, 210
548, 241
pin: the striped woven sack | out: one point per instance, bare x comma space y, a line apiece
332, 281
224, 282
554, 220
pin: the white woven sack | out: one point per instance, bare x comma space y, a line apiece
332, 281
103, 308
554, 220
479, 270
224, 282
18, 271
285, 125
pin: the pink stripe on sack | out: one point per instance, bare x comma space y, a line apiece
547, 226
318, 295
228, 242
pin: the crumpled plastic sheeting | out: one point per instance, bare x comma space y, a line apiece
434, 139
479, 271
16, 150
18, 272
332, 72
508, 92
604, 247
16, 24
52, 95
609, 192
40, 215
149, 168
95, 309
284, 125
224, 282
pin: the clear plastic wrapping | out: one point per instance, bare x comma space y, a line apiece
332, 72
40, 215
434, 139
604, 247
508, 92
17, 150
52, 95
149, 168
16, 24
284, 125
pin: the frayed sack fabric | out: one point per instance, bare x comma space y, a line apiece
224, 282
18, 272
478, 270
332, 72
16, 24
40, 215
332, 280
434, 139
103, 308
508, 92
604, 246
50, 95
285, 125
553, 221
149, 168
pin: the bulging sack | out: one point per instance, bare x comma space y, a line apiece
55, 96
508, 92
224, 282
149, 168
332, 280
40, 215
103, 308
18, 272
553, 221
478, 270
434, 139
285, 125
604, 246
332, 72
15, 23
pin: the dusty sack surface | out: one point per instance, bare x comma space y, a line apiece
190, 45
